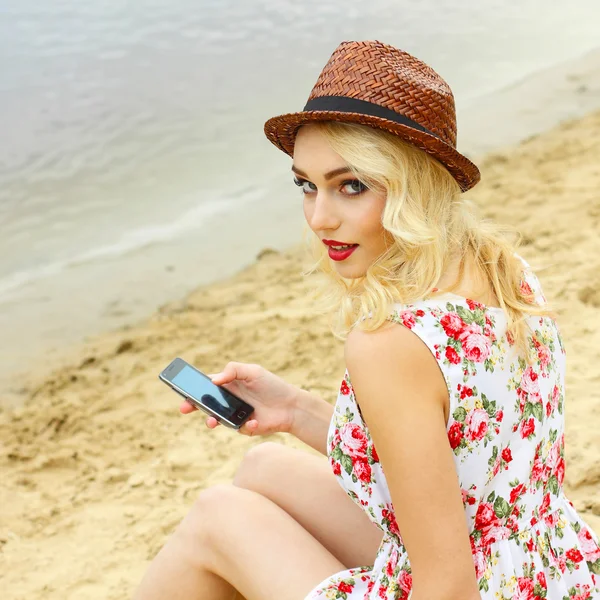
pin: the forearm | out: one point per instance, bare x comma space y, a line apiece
311, 420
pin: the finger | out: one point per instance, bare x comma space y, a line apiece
220, 378
186, 408
250, 427
211, 423
233, 371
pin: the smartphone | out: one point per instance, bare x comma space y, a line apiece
199, 390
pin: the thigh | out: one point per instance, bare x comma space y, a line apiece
305, 487
255, 545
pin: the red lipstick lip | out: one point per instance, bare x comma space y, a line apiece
336, 243
339, 255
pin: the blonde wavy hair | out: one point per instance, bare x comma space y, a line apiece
430, 222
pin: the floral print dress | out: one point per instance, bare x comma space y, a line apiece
506, 429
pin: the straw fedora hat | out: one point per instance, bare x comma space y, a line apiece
378, 85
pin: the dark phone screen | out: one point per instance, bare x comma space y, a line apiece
204, 390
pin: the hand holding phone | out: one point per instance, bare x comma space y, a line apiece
273, 399
198, 389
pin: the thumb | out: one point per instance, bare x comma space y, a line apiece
231, 372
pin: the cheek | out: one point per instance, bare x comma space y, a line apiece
371, 219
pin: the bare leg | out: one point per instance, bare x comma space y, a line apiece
246, 540
306, 488
173, 574
299, 483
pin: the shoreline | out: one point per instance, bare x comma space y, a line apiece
99, 466
566, 91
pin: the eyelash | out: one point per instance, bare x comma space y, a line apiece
363, 188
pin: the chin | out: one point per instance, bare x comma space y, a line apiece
350, 272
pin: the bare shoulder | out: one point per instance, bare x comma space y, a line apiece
396, 355
393, 364
390, 342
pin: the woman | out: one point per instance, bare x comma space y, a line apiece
454, 361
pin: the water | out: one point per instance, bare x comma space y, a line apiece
133, 166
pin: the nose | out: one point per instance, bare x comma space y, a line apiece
321, 213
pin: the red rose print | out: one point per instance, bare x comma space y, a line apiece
499, 416
537, 471
476, 346
405, 583
466, 392
530, 545
524, 589
388, 515
420, 313
516, 492
506, 455
495, 533
544, 356
354, 440
496, 467
555, 396
526, 292
541, 579
527, 428
574, 555
480, 562
589, 548
344, 390
362, 468
344, 587
374, 454
452, 324
485, 517
337, 468
545, 504
464, 493
553, 456
473, 305
408, 319
477, 424
455, 435
529, 382
560, 471
393, 561
452, 355
513, 523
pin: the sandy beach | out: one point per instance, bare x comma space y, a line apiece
98, 466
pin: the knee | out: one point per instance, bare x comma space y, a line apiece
260, 464
199, 530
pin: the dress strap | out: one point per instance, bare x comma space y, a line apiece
530, 279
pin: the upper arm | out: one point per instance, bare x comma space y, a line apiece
401, 392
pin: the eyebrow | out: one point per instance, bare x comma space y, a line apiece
327, 176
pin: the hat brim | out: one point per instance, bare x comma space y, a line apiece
281, 131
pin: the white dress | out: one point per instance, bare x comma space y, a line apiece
506, 429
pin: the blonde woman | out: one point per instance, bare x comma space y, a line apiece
445, 454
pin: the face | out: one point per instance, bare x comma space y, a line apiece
343, 213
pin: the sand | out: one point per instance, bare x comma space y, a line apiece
98, 466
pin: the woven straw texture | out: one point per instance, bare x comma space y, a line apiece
391, 78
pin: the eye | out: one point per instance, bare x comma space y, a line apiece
301, 182
355, 186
